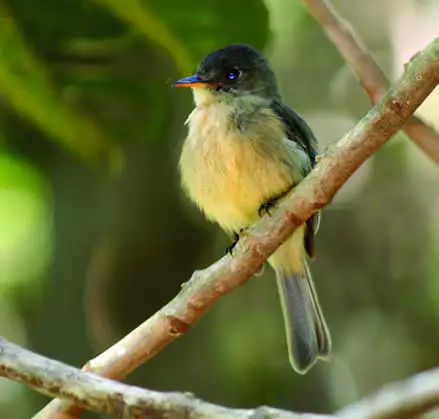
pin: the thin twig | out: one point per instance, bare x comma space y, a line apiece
103, 395
317, 190
368, 73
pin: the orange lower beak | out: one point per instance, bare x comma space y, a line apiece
193, 81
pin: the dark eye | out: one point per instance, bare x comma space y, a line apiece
233, 74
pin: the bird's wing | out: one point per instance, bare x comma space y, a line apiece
298, 130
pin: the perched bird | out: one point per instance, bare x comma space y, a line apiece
245, 149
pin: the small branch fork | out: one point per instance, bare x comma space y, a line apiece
368, 73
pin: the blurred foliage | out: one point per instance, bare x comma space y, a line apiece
24, 215
24, 82
96, 235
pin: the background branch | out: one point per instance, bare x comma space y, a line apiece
399, 400
317, 190
369, 74
98, 394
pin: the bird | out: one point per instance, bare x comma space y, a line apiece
244, 150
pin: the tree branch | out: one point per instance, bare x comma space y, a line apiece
369, 74
103, 395
317, 190
400, 400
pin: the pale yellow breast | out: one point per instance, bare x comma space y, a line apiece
229, 173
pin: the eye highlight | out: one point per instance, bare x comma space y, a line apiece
233, 74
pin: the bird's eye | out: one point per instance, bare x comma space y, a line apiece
233, 74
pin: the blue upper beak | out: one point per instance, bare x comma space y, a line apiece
192, 81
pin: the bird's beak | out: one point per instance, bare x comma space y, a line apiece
193, 81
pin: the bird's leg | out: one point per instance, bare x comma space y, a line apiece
229, 249
267, 206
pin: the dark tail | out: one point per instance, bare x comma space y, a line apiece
307, 334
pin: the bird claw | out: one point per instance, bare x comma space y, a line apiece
229, 249
266, 207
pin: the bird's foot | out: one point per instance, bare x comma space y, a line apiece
267, 207
270, 204
229, 249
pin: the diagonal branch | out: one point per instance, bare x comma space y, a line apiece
98, 394
318, 189
369, 74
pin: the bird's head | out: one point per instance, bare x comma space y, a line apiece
230, 73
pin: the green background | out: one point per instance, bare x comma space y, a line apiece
95, 234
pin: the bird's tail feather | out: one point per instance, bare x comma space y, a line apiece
307, 334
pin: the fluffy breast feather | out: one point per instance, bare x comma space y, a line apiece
229, 172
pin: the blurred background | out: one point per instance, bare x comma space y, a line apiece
95, 234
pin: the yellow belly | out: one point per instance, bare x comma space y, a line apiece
231, 185
229, 173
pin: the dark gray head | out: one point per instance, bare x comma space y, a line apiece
236, 70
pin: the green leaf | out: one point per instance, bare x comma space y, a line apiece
190, 29
50, 22
24, 222
25, 84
